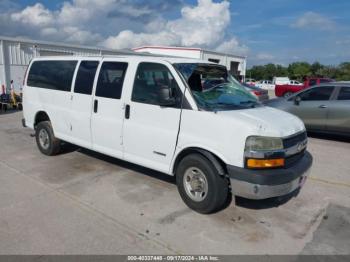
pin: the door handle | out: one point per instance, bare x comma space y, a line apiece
95, 105
322, 106
127, 111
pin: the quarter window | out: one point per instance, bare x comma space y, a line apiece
344, 93
149, 79
317, 94
111, 79
55, 75
85, 77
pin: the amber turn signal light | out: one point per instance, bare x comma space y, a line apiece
265, 163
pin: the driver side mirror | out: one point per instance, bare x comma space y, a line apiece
166, 97
297, 100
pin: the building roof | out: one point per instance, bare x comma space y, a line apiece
39, 42
187, 49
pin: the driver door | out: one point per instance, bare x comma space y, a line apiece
313, 107
150, 130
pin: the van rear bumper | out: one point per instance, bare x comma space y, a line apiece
262, 184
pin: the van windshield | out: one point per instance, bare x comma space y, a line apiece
214, 88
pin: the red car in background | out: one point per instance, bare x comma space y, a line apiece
288, 90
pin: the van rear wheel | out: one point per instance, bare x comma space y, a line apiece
199, 184
47, 143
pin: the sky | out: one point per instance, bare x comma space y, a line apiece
266, 31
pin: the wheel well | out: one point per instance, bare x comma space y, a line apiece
40, 117
214, 159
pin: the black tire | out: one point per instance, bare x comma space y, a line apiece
53, 145
287, 94
217, 189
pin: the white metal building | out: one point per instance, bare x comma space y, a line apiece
15, 55
236, 64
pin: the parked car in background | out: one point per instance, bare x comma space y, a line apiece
323, 108
281, 81
261, 95
265, 84
288, 89
250, 81
295, 83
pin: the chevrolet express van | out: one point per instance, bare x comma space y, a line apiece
154, 112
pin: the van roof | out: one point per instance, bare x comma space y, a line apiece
132, 57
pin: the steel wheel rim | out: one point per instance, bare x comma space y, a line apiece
195, 184
44, 139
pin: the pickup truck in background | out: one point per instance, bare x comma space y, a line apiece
265, 84
288, 90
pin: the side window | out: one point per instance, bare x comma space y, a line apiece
149, 79
85, 77
55, 75
111, 79
317, 94
344, 93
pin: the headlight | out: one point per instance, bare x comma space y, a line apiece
258, 151
261, 143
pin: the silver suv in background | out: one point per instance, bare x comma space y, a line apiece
323, 108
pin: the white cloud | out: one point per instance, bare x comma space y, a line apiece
127, 24
232, 46
312, 20
36, 15
129, 39
202, 25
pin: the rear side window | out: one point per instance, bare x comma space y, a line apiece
149, 79
111, 79
85, 78
56, 75
344, 93
322, 93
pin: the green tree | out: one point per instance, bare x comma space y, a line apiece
343, 72
316, 68
299, 70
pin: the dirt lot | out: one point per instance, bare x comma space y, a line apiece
81, 202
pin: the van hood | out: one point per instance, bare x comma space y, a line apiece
266, 121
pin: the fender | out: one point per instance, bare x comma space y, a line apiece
215, 160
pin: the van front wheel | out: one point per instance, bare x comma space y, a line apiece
47, 143
199, 184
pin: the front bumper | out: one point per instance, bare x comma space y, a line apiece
262, 184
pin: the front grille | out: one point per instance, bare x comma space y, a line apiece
291, 142
294, 140
290, 161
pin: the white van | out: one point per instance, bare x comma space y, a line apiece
281, 81
154, 111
